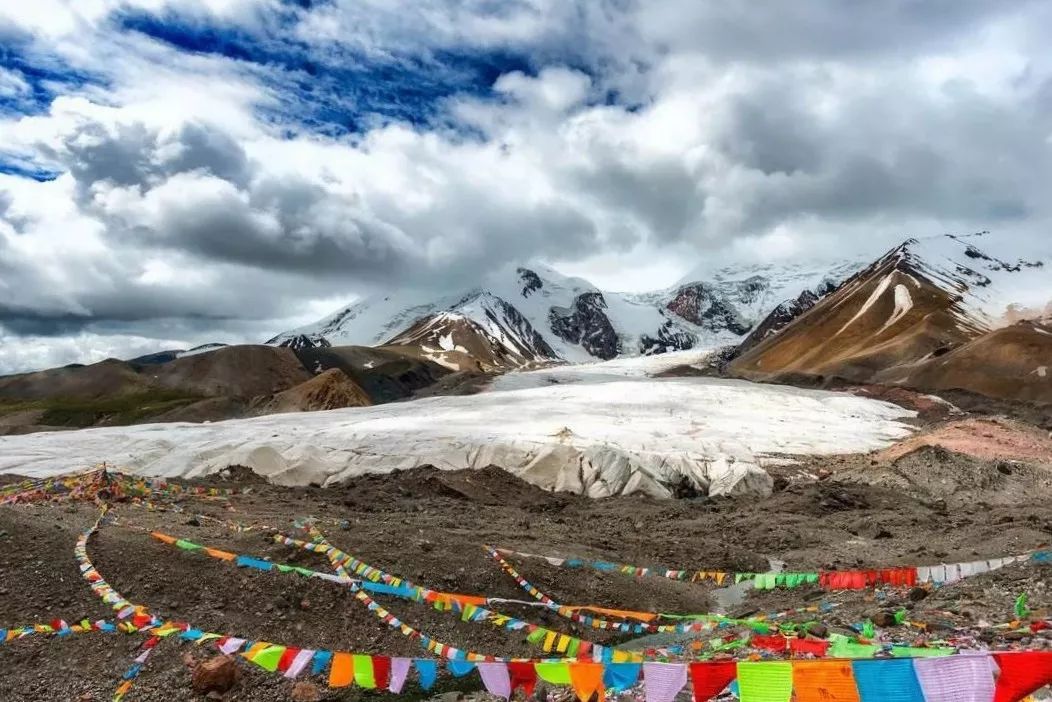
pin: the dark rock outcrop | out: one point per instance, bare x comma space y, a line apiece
531, 282
783, 315
669, 338
518, 327
701, 305
302, 341
586, 324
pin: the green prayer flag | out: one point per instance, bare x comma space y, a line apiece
188, 545
868, 629
843, 647
269, 657
1021, 610
363, 671
553, 673
916, 652
536, 635
765, 681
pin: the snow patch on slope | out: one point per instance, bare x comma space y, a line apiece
885, 283
903, 304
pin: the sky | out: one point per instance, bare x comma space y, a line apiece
180, 171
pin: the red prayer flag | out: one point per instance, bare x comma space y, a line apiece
286, 658
382, 671
710, 679
522, 675
812, 646
1021, 674
775, 642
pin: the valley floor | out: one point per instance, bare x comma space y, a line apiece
430, 526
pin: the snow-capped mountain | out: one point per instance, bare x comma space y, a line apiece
533, 313
920, 300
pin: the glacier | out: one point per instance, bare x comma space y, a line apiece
597, 429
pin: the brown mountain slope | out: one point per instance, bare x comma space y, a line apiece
890, 314
385, 374
331, 389
220, 384
235, 371
241, 372
1012, 363
459, 343
106, 378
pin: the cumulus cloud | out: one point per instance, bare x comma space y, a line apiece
232, 166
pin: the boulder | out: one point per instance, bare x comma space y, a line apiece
217, 674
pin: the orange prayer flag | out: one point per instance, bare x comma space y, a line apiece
619, 613
163, 537
224, 555
341, 672
824, 681
586, 679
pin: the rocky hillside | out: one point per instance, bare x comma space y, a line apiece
1010, 363
223, 383
919, 301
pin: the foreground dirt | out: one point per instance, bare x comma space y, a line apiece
925, 507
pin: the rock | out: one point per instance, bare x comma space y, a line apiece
193, 521
217, 674
453, 696
884, 619
586, 324
818, 630
305, 692
917, 594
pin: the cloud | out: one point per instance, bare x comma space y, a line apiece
189, 171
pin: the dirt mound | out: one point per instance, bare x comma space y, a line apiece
982, 438
1012, 363
330, 389
935, 473
491, 486
929, 408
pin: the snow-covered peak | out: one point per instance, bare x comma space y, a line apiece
532, 310
979, 271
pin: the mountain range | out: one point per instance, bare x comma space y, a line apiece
939, 313
521, 315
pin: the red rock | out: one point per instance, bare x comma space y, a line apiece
305, 692
217, 674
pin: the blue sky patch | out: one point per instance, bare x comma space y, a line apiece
46, 77
342, 92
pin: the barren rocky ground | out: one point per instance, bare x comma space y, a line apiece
925, 507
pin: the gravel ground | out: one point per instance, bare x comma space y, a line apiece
927, 507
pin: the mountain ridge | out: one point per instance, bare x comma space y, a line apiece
535, 314
920, 300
